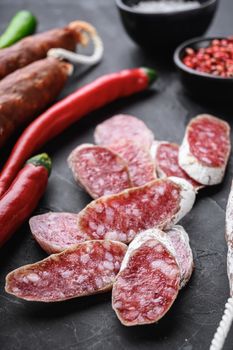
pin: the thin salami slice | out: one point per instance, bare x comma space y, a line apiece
183, 252
99, 170
139, 161
176, 240
229, 239
160, 203
55, 232
123, 126
148, 282
85, 269
205, 149
165, 155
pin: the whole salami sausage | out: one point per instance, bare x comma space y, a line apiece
28, 91
35, 47
205, 149
160, 203
85, 269
229, 238
148, 282
165, 155
99, 170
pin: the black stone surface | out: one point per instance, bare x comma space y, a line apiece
89, 323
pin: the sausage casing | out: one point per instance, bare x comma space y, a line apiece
28, 91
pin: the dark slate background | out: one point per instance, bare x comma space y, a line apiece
89, 323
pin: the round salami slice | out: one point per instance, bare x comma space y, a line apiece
55, 231
165, 155
176, 240
140, 164
160, 203
84, 269
205, 149
229, 239
123, 126
148, 282
99, 170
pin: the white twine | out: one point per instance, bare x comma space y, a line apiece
224, 327
78, 58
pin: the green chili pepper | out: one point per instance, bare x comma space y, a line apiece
21, 25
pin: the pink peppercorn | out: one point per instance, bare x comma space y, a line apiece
216, 59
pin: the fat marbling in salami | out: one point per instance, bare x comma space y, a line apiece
139, 161
160, 203
148, 281
205, 149
176, 240
84, 269
165, 155
123, 126
99, 170
183, 252
55, 232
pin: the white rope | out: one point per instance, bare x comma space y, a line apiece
78, 58
224, 327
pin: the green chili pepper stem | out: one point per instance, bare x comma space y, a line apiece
41, 160
151, 73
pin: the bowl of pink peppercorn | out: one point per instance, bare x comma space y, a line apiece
206, 67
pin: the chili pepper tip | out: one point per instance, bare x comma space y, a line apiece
151, 73
41, 160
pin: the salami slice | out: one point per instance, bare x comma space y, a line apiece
165, 155
176, 240
99, 170
205, 149
84, 269
139, 161
229, 239
148, 282
55, 232
123, 126
183, 252
160, 203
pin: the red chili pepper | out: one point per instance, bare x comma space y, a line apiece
69, 110
23, 195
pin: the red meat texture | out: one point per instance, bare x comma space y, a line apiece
145, 290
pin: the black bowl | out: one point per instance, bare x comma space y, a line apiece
165, 30
202, 85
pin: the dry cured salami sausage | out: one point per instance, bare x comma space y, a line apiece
139, 161
123, 126
99, 170
55, 232
28, 91
84, 269
165, 155
160, 203
35, 47
229, 239
205, 149
148, 282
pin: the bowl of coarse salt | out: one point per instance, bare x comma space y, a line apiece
155, 24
